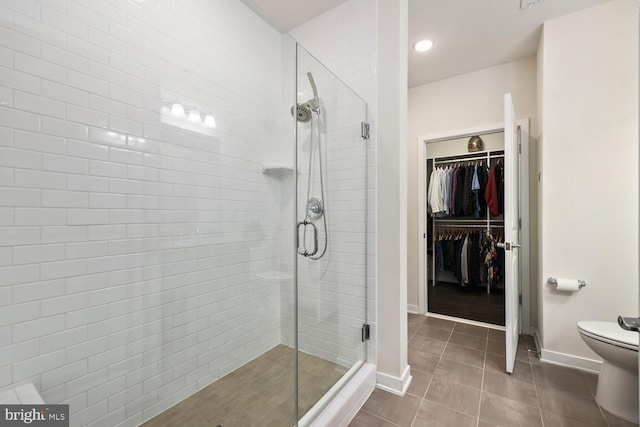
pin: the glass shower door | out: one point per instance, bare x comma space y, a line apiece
331, 217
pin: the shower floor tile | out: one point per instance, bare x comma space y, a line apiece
260, 393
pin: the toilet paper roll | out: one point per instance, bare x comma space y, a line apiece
568, 285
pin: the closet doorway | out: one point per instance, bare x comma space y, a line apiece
474, 260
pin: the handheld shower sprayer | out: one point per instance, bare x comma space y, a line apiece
314, 103
303, 111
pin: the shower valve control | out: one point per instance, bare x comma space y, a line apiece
315, 208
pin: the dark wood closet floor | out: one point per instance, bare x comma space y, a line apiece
468, 302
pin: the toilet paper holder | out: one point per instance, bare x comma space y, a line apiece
553, 281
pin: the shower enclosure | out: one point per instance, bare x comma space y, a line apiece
331, 223
183, 215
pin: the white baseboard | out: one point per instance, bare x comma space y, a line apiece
571, 361
537, 339
413, 309
395, 385
563, 359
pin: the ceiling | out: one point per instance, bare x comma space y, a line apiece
289, 14
469, 35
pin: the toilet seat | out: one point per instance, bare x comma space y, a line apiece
610, 333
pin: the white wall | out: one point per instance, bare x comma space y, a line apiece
590, 169
131, 250
461, 103
355, 64
391, 269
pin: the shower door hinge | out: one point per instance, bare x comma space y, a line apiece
520, 299
364, 130
366, 332
520, 223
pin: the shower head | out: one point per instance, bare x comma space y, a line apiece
304, 110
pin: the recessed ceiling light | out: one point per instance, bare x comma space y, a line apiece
423, 45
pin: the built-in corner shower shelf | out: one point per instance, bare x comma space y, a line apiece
277, 170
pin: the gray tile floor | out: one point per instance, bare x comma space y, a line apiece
459, 380
258, 394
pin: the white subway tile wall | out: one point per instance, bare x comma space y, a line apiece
331, 290
133, 252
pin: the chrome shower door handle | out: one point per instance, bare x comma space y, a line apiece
315, 239
303, 223
304, 252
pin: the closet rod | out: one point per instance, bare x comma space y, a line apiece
468, 226
464, 221
468, 159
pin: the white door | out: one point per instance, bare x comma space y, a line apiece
511, 231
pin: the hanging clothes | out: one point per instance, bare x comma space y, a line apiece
465, 261
475, 188
483, 177
447, 190
430, 191
473, 258
499, 274
490, 259
460, 191
449, 255
454, 191
466, 190
467, 195
434, 193
492, 194
458, 259
439, 192
439, 256
500, 179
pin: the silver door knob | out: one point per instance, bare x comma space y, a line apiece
508, 245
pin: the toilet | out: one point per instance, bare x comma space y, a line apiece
618, 382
